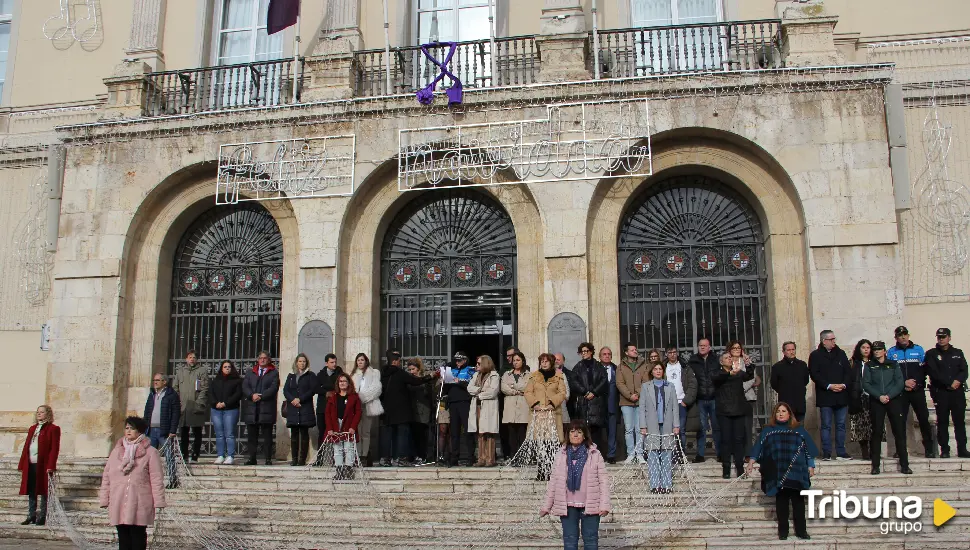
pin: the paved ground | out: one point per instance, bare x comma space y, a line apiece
36, 545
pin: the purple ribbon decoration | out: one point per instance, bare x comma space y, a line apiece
455, 93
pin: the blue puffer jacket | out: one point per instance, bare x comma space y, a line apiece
171, 409
910, 361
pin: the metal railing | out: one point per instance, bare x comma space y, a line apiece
516, 63
257, 84
728, 46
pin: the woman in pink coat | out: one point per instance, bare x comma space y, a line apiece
579, 489
131, 486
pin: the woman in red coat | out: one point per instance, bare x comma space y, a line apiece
343, 416
39, 459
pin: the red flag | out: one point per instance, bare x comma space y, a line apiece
281, 14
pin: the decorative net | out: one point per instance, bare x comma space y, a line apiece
654, 496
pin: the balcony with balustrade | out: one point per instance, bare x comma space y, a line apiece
490, 63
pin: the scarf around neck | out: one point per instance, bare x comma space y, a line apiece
128, 461
547, 374
575, 462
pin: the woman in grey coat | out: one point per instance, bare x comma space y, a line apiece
660, 426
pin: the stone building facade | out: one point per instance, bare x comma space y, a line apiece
773, 207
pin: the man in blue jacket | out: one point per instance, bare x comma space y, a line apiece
910, 358
162, 410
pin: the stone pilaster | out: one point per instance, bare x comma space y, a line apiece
808, 34
563, 42
147, 28
340, 31
127, 90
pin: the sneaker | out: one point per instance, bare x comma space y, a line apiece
826, 457
698, 459
641, 460
843, 457
630, 459
219, 460
227, 461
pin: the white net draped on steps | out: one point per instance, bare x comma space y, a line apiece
481, 508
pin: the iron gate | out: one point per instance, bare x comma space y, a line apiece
448, 272
227, 294
691, 264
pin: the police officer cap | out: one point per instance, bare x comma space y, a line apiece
878, 344
901, 330
460, 356
942, 332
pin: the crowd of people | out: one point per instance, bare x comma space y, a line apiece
481, 409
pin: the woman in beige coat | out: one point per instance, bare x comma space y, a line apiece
483, 414
546, 390
516, 414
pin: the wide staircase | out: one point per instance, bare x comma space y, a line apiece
395, 508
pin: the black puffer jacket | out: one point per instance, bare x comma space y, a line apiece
830, 367
588, 376
303, 388
704, 369
226, 390
729, 397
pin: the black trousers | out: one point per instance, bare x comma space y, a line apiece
419, 440
879, 412
951, 403
599, 436
732, 442
252, 432
461, 441
916, 400
299, 444
785, 497
132, 537
33, 511
516, 438
196, 443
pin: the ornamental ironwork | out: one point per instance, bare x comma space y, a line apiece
573, 142
227, 292
693, 256
286, 168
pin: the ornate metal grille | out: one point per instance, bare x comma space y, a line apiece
227, 292
448, 270
691, 264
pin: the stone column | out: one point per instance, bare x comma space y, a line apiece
127, 90
330, 69
807, 30
563, 42
147, 28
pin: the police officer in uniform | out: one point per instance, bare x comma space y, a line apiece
947, 368
910, 356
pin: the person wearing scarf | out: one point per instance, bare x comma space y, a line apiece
131, 485
659, 419
38, 459
786, 453
579, 489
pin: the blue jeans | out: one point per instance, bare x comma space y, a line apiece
827, 414
661, 470
395, 441
631, 429
157, 439
224, 423
571, 529
708, 421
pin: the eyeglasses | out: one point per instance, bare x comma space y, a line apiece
587, 351
735, 347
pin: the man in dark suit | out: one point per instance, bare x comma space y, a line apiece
789, 377
828, 367
612, 402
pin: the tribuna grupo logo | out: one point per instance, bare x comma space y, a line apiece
896, 514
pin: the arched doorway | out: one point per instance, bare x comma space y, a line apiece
448, 277
692, 263
227, 291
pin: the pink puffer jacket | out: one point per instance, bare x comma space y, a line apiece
596, 482
131, 499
